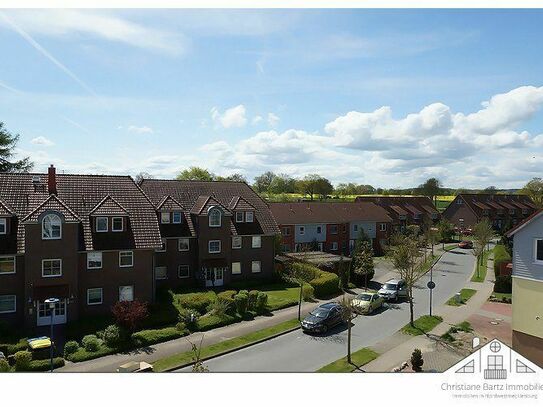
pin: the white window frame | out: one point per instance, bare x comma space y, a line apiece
301, 230
256, 242
179, 244
209, 218
355, 228
174, 215
237, 238
52, 275
382, 227
126, 286
101, 296
285, 230
98, 222
332, 229
236, 265
249, 217
536, 260
14, 309
113, 224
459, 201
183, 266
209, 246
14, 264
240, 219
165, 277
3, 226
43, 224
253, 263
131, 255
101, 260
165, 217
334, 246
164, 246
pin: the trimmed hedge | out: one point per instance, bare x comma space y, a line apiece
308, 292
82, 355
198, 301
501, 255
12, 348
325, 284
45, 365
208, 322
503, 285
151, 336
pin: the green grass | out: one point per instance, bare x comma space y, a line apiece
423, 325
465, 295
281, 295
462, 326
481, 269
499, 296
184, 358
358, 358
449, 247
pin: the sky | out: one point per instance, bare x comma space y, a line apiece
381, 97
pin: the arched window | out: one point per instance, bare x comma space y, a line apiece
214, 215
51, 227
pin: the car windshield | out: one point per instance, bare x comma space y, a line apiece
319, 313
389, 286
364, 297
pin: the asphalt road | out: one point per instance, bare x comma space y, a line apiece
298, 352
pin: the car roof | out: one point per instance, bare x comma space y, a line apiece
328, 305
393, 281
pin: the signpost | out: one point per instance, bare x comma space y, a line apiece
431, 285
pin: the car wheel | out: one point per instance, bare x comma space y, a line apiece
324, 329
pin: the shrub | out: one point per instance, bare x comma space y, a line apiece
22, 360
325, 284
189, 317
228, 298
416, 360
301, 271
503, 285
70, 348
501, 255
113, 335
4, 366
129, 314
308, 292
251, 299
242, 301
152, 336
91, 343
214, 321
198, 301
220, 307
261, 301
45, 364
13, 348
181, 327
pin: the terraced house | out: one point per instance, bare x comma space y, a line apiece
502, 211
330, 226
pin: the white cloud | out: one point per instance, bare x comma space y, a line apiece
273, 120
257, 119
233, 117
140, 129
42, 141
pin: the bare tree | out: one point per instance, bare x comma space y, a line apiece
198, 366
482, 235
301, 274
348, 314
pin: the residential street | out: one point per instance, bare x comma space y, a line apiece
298, 352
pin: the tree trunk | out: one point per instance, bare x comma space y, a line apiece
411, 307
300, 302
349, 340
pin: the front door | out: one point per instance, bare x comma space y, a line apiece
44, 313
214, 276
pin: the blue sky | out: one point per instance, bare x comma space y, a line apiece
386, 97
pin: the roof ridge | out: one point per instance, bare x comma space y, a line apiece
108, 196
52, 196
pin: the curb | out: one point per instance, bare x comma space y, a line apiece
226, 352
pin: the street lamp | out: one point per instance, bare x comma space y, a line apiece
51, 303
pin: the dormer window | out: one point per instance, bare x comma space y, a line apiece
165, 217
51, 227
249, 216
239, 217
459, 201
3, 226
102, 224
214, 216
525, 211
176, 217
117, 224
511, 211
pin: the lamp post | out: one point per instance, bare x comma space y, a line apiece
431, 285
51, 303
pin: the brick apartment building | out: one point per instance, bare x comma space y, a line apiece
330, 226
503, 211
405, 210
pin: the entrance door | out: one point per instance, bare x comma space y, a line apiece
44, 313
214, 276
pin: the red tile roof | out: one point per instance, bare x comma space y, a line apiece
108, 207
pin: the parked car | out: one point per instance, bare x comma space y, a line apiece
465, 244
366, 302
322, 318
393, 290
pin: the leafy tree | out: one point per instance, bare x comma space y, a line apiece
301, 274
8, 142
263, 182
534, 189
416, 360
196, 174
236, 177
491, 190
141, 176
129, 314
482, 234
314, 184
282, 184
445, 231
431, 188
362, 265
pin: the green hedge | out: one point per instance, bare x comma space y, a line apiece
208, 322
198, 301
45, 364
501, 255
503, 285
82, 355
151, 336
325, 284
13, 348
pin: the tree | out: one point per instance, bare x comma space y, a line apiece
416, 360
141, 176
301, 274
482, 234
129, 314
348, 314
445, 231
282, 184
362, 259
431, 188
314, 184
534, 189
236, 177
8, 142
198, 366
263, 182
491, 190
404, 254
196, 174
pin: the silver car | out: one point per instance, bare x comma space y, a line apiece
393, 290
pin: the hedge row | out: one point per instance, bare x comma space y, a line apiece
152, 336
501, 255
325, 284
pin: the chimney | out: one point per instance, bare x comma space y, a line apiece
52, 180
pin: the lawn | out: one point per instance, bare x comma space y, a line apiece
182, 359
480, 273
423, 325
358, 358
500, 296
465, 295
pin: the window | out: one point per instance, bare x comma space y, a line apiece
257, 242
285, 248
334, 246
495, 362
239, 217
236, 242
285, 231
485, 211
3, 226
95, 296
383, 227
161, 273
51, 268
344, 228
355, 228
459, 201
7, 265
94, 260
301, 229
249, 216
214, 218
177, 218
214, 246
333, 229
51, 227
101, 224
8, 303
164, 217
184, 245
117, 225
319, 229
236, 268
511, 211
255, 267
126, 259
538, 249
126, 293
183, 271
525, 211
163, 247
320, 246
